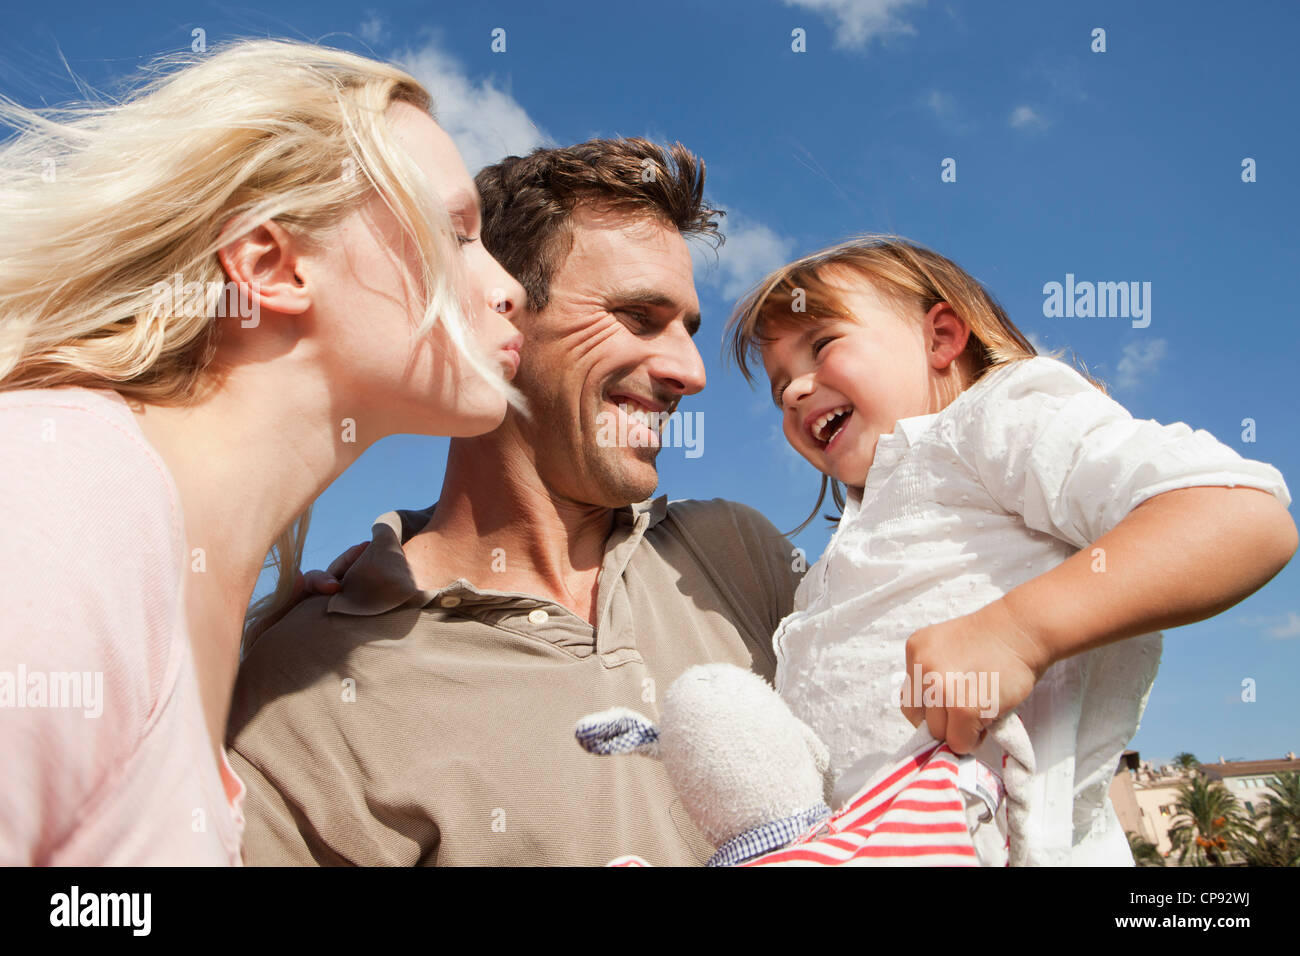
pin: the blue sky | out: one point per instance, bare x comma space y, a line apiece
1117, 166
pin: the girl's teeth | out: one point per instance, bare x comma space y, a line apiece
825, 419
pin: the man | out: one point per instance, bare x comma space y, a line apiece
424, 714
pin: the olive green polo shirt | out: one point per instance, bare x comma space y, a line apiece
387, 725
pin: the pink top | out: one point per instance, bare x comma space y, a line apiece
105, 750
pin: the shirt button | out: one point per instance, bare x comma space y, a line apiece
538, 616
449, 600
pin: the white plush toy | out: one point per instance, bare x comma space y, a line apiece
733, 750
753, 776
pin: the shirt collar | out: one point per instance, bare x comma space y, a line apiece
890, 450
381, 580
916, 426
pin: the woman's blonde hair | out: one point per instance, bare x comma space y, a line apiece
104, 210
913, 277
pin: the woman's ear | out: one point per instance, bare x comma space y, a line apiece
266, 264
946, 335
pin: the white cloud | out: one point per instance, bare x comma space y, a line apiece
485, 122
1290, 629
1026, 117
751, 251
1036, 343
1139, 359
372, 28
857, 22
941, 104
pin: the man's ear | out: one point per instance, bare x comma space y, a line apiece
946, 334
266, 264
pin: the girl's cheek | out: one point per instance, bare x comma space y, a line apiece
791, 434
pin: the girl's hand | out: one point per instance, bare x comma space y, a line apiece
963, 673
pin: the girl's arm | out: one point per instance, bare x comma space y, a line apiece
1178, 557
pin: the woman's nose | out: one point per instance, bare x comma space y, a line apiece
506, 295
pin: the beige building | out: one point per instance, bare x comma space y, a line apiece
1249, 780
1144, 797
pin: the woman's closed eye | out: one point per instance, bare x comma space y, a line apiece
821, 343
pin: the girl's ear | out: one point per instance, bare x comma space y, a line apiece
946, 335
618, 731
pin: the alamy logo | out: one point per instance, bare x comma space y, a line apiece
83, 690
198, 299
1117, 300
103, 909
936, 689
637, 428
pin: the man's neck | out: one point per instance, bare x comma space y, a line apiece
500, 528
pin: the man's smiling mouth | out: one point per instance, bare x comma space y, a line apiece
640, 413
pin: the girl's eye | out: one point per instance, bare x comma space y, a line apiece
466, 240
821, 343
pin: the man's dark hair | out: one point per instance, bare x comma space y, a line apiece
527, 200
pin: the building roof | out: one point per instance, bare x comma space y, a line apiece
1250, 768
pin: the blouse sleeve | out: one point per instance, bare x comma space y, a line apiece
1073, 462
89, 583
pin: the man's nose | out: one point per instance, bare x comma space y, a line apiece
677, 363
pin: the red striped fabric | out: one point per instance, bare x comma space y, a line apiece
911, 814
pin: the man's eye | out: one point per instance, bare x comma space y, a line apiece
641, 318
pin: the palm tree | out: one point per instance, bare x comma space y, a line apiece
1186, 761
1278, 840
1209, 823
1270, 849
1145, 853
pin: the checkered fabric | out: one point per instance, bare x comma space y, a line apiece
621, 734
769, 836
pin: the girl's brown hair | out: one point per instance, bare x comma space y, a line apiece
910, 275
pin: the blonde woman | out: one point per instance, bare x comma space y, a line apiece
214, 296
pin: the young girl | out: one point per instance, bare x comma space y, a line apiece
1011, 537
215, 295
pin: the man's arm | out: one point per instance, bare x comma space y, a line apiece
275, 834
749, 560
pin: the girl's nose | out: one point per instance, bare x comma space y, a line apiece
798, 389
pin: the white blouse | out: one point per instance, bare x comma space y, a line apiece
1029, 465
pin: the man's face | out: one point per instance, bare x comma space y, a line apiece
613, 345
